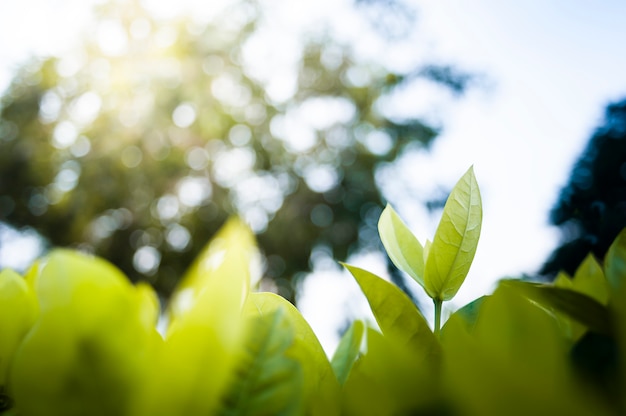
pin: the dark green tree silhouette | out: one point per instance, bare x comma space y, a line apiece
140, 154
591, 209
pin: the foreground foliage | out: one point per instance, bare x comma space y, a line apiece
78, 339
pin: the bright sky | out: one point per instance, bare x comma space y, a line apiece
550, 68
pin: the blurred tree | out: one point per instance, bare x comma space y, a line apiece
591, 209
138, 145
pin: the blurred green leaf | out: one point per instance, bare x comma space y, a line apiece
468, 313
267, 380
589, 280
18, 310
403, 248
207, 331
90, 350
513, 362
150, 308
396, 315
615, 270
563, 280
390, 379
578, 306
615, 261
454, 245
347, 351
226, 263
571, 327
321, 388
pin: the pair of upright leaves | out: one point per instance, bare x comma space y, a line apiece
398, 370
439, 267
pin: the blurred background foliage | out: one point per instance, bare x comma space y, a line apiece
591, 209
138, 145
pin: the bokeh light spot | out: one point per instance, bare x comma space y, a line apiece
322, 215
146, 260
112, 38
85, 108
177, 237
49, 107
240, 135
197, 158
192, 192
64, 135
167, 207
140, 28
131, 156
184, 115
80, 147
321, 178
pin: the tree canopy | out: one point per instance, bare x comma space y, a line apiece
591, 209
139, 144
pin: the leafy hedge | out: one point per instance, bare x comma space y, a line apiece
76, 338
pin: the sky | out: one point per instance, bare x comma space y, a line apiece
548, 69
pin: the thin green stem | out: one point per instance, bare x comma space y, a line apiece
438, 304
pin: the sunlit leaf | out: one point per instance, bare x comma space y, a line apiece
149, 304
403, 248
347, 351
267, 381
578, 306
31, 274
207, 331
321, 388
18, 310
427, 245
396, 315
452, 251
89, 351
235, 240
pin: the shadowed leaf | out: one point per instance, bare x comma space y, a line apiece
578, 306
347, 351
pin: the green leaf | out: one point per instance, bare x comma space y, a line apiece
589, 280
453, 248
321, 388
514, 362
90, 349
468, 313
267, 381
390, 379
231, 255
347, 351
578, 306
615, 271
564, 281
18, 310
396, 315
615, 261
403, 248
207, 329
